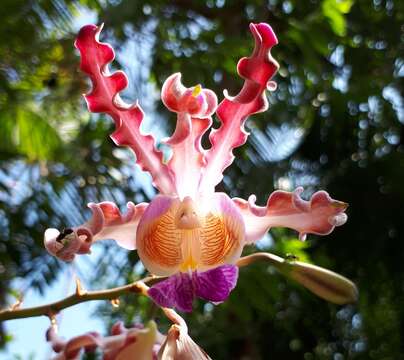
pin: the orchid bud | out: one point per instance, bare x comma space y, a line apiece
324, 283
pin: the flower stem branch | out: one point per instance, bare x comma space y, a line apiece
324, 283
275, 260
81, 295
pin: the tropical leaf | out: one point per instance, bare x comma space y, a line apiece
28, 134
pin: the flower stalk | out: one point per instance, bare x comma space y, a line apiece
79, 296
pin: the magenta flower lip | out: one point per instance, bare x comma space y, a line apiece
179, 291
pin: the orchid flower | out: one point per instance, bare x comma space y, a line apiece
189, 233
122, 344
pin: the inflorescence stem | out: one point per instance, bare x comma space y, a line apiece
137, 287
81, 295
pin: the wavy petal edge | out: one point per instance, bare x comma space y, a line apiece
106, 222
232, 112
104, 98
320, 215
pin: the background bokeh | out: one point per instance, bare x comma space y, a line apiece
335, 123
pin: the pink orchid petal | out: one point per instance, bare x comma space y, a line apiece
107, 222
66, 244
182, 129
177, 235
118, 328
104, 97
193, 119
72, 349
158, 240
232, 112
211, 102
177, 98
222, 237
188, 349
172, 91
187, 159
89, 341
124, 345
169, 349
318, 216
180, 346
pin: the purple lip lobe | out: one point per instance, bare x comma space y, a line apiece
179, 290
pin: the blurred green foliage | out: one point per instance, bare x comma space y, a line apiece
335, 122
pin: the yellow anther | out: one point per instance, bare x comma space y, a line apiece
197, 90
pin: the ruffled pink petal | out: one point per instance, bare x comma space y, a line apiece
107, 222
193, 119
187, 159
104, 97
177, 98
210, 102
123, 344
182, 130
172, 91
72, 349
318, 216
232, 112
88, 342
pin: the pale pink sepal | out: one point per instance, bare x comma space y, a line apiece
232, 112
318, 216
72, 349
194, 109
179, 345
104, 97
107, 222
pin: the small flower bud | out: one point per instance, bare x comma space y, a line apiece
322, 282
